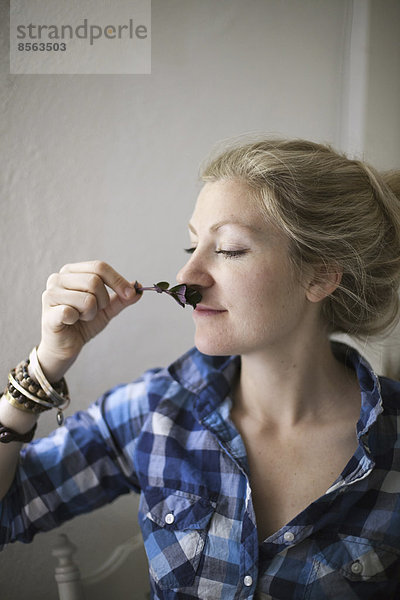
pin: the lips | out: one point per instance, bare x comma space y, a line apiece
205, 310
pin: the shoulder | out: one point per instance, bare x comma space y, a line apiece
177, 384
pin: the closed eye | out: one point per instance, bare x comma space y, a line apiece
225, 253
231, 253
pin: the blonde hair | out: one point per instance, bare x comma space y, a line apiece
337, 212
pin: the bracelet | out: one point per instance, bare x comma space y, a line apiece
24, 393
57, 398
22, 399
8, 435
60, 400
22, 375
23, 403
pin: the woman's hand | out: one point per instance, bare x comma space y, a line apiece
76, 307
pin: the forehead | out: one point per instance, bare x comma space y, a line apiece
227, 201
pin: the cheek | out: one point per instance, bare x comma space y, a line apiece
269, 291
263, 285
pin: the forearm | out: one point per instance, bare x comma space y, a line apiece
21, 422
80, 466
24, 399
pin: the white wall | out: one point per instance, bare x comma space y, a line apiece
372, 90
106, 167
382, 130
382, 127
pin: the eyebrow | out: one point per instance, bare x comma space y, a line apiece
220, 224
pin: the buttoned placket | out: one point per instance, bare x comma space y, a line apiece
215, 422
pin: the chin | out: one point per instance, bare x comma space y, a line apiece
213, 347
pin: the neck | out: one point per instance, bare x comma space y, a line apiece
299, 384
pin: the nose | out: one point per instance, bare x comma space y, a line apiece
195, 273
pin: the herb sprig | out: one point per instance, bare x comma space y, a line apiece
182, 293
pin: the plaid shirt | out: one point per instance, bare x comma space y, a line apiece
169, 437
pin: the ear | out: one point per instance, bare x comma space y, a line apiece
323, 282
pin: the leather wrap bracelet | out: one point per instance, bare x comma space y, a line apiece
8, 435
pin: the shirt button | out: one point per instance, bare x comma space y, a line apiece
169, 518
248, 580
356, 567
288, 536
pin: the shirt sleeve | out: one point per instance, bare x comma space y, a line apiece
84, 464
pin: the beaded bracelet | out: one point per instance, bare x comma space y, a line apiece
8, 435
25, 394
23, 403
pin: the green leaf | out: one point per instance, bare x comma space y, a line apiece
193, 297
164, 285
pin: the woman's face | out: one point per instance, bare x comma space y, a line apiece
251, 297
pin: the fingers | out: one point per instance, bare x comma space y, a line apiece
85, 292
85, 303
123, 288
83, 282
61, 315
79, 293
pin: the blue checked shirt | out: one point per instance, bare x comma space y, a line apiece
169, 436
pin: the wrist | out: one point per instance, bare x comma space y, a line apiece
14, 418
31, 393
53, 369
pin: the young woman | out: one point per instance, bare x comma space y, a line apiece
267, 458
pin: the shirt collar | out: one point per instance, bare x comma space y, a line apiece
210, 378
371, 398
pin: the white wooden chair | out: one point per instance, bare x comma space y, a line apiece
115, 578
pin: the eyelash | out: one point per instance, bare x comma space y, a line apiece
225, 253
231, 253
